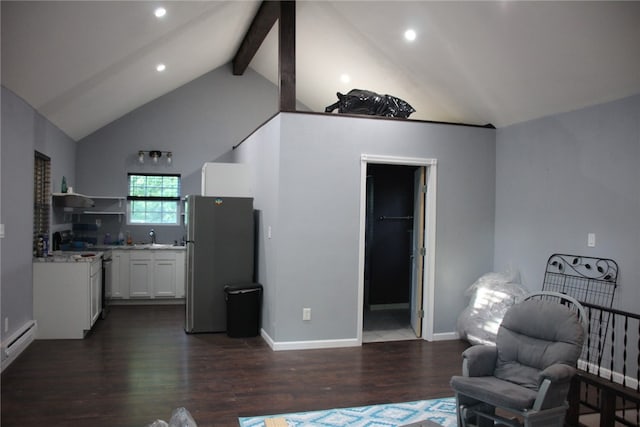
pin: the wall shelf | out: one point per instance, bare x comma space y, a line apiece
107, 205
103, 212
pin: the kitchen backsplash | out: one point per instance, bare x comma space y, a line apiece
88, 228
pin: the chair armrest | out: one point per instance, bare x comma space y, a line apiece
479, 361
554, 383
558, 372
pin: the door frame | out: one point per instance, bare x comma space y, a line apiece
428, 282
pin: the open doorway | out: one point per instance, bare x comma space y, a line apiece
396, 258
390, 246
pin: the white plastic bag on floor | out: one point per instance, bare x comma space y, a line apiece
179, 418
182, 418
491, 296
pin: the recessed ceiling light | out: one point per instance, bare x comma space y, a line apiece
344, 78
161, 67
160, 12
410, 35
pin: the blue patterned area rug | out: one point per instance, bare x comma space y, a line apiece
440, 411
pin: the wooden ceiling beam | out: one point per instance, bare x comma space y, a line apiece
287, 55
267, 15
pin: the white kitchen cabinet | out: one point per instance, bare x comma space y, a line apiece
164, 273
226, 180
152, 274
141, 274
66, 297
118, 288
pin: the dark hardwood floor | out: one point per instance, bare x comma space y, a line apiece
138, 365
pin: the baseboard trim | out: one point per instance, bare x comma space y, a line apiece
337, 343
308, 345
18, 342
445, 336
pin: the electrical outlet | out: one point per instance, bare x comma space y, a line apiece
306, 314
591, 240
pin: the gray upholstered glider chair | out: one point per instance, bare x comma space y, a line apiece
524, 379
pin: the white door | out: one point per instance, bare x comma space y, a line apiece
418, 250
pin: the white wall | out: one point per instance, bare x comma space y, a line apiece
561, 177
317, 231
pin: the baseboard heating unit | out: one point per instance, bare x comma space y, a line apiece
18, 342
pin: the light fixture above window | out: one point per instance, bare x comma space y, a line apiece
155, 156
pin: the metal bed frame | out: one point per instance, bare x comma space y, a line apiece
588, 280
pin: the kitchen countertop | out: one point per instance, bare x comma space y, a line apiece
69, 256
139, 246
90, 253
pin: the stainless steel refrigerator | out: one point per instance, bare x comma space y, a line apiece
220, 240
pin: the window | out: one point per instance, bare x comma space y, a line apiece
154, 199
41, 197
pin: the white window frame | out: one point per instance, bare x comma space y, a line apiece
131, 199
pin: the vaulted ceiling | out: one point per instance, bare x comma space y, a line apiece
83, 64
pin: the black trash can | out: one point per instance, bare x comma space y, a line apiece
244, 302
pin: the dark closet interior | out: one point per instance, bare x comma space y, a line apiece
388, 240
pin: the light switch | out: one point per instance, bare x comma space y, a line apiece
591, 240
1, 231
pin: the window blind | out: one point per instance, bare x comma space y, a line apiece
41, 197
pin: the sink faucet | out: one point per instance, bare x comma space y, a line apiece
152, 234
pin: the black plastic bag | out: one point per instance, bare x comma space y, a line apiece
359, 101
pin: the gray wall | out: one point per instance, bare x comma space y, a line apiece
23, 131
315, 233
550, 182
561, 177
263, 154
197, 122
